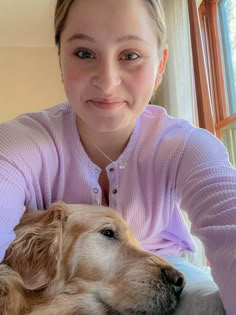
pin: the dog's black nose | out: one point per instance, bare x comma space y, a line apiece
175, 278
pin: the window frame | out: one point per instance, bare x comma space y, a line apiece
204, 109
213, 64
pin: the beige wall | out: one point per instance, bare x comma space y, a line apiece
29, 80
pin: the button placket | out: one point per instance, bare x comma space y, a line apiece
113, 176
96, 192
97, 173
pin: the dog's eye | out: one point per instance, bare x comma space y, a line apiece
108, 233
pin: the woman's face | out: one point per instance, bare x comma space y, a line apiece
109, 62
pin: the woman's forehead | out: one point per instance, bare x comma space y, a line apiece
109, 19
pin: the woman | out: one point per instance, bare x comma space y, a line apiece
107, 146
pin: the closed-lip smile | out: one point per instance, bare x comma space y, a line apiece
107, 103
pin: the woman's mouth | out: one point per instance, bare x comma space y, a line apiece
107, 105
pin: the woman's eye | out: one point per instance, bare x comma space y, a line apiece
130, 56
108, 233
84, 54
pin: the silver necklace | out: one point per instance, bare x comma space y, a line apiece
122, 165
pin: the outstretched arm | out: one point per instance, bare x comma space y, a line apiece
12, 198
206, 187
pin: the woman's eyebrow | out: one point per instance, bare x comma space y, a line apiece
91, 39
81, 36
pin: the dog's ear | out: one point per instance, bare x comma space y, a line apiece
36, 253
12, 292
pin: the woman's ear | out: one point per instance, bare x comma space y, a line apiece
36, 253
59, 59
162, 64
161, 67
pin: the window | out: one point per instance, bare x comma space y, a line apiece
218, 32
227, 19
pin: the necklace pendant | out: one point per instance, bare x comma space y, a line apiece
123, 164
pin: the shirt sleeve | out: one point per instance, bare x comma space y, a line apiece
206, 188
12, 197
13, 186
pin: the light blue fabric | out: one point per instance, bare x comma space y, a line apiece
200, 295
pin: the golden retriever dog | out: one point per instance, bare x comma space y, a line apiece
83, 260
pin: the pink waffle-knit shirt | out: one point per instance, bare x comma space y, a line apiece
167, 165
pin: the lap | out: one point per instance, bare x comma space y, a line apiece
200, 295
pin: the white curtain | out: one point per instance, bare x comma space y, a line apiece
177, 93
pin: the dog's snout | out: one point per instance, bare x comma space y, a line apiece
175, 278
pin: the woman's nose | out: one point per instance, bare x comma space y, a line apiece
107, 77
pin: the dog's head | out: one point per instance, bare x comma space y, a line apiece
89, 248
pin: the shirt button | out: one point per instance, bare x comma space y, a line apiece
112, 170
95, 190
96, 171
114, 191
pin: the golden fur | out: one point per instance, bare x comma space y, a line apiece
83, 260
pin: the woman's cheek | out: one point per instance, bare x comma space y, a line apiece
144, 80
73, 81
72, 74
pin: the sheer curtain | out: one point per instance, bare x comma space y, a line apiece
177, 92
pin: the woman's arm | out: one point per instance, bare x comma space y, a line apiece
206, 186
12, 197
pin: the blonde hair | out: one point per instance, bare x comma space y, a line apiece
155, 8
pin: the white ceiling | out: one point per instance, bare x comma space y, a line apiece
26, 23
